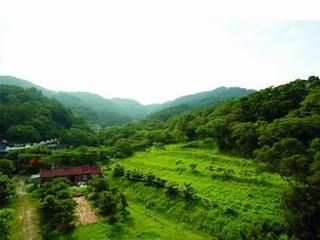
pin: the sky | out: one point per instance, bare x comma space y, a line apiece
154, 51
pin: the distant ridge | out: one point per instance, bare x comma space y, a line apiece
107, 112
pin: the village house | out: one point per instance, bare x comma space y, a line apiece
75, 174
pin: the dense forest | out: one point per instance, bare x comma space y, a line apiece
28, 117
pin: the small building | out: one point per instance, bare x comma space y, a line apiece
75, 174
4, 146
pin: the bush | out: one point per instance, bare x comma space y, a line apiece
6, 188
4, 225
118, 171
188, 192
6, 167
193, 167
172, 189
110, 202
57, 203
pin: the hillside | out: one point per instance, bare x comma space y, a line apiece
243, 169
233, 198
106, 112
91, 106
28, 116
209, 97
278, 126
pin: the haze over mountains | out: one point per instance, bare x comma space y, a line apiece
106, 112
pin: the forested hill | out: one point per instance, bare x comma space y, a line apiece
106, 112
279, 126
91, 106
28, 116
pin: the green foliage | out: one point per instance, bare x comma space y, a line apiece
302, 212
222, 208
122, 148
193, 167
4, 224
57, 204
107, 112
196, 101
109, 200
6, 188
78, 156
6, 167
28, 116
78, 137
172, 189
118, 171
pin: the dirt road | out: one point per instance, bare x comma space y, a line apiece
27, 219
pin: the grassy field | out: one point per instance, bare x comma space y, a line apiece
244, 200
238, 199
143, 224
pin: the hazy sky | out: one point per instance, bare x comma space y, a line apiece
154, 51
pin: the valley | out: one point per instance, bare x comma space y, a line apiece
247, 168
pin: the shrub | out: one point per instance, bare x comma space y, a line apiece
172, 189
6, 167
6, 188
188, 192
193, 167
118, 171
4, 225
110, 202
57, 203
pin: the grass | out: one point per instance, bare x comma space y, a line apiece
143, 224
238, 200
242, 197
26, 223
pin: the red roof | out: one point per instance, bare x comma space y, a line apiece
69, 171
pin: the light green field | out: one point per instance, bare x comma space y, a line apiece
251, 195
144, 224
245, 204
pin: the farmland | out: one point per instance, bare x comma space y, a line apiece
236, 194
236, 198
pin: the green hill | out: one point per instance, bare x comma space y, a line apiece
106, 112
277, 126
28, 116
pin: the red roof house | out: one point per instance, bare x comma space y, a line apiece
74, 174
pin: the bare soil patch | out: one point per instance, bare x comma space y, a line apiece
85, 214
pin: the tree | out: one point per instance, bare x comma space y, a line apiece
4, 225
118, 171
6, 188
123, 148
22, 133
78, 137
245, 137
57, 203
6, 167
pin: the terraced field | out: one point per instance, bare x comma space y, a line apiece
238, 197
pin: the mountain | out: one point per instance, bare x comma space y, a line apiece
198, 100
106, 112
208, 97
97, 109
28, 116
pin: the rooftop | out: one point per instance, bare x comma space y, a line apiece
69, 171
